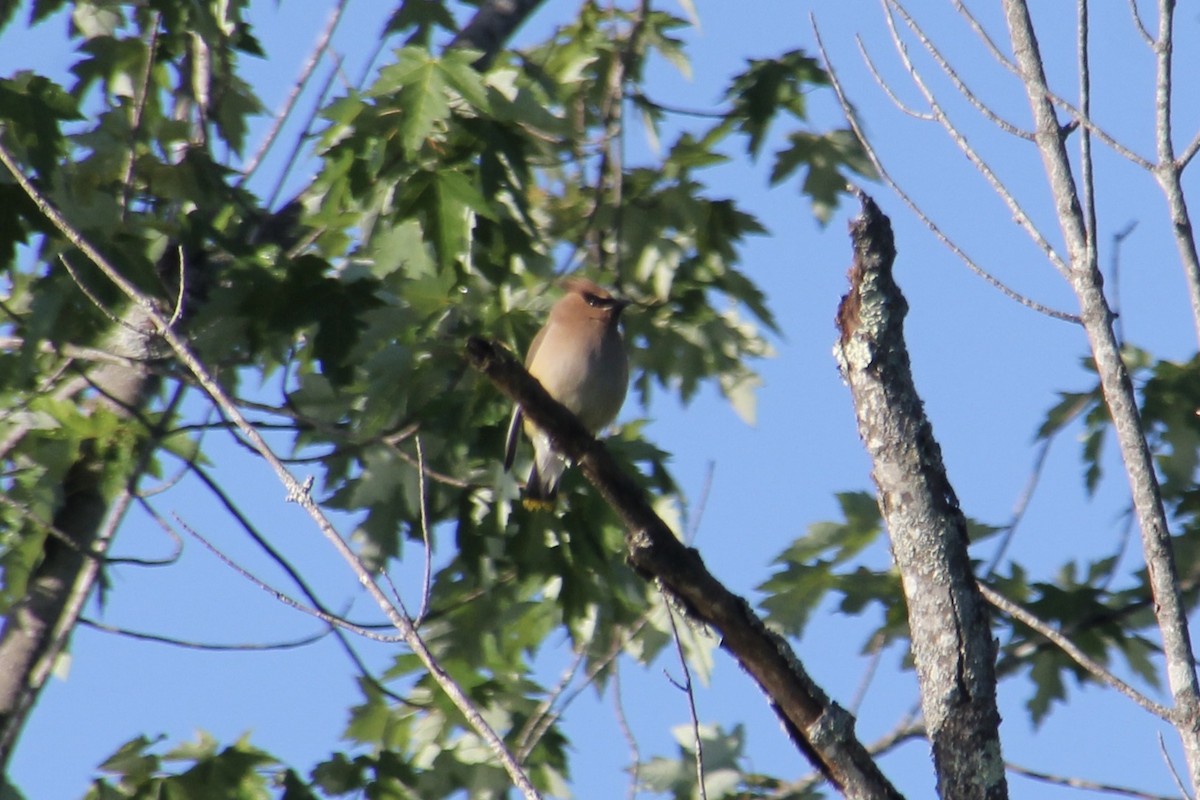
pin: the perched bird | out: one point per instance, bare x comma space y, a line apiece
579, 358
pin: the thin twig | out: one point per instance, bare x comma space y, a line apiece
887, 87
635, 754
289, 104
178, 310
960, 141
1141, 25
951, 73
290, 644
287, 600
933, 227
1189, 152
1097, 670
1170, 177
1162, 748
529, 735
689, 689
248, 527
100, 305
427, 576
1086, 166
692, 526
1114, 275
552, 712
294, 154
1080, 783
166, 528
876, 648
1022, 504
139, 108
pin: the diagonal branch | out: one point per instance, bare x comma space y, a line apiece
184, 353
1097, 315
886, 177
1081, 658
491, 27
820, 728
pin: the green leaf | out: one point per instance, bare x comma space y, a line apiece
423, 18
32, 109
421, 95
769, 86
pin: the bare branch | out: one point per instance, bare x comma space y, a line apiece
1141, 25
428, 572
330, 619
952, 74
1087, 283
952, 644
1094, 668
1170, 173
1162, 748
635, 754
551, 709
298, 145
993, 49
1086, 167
960, 141
139, 107
1080, 783
289, 644
852, 119
688, 689
289, 103
887, 87
1022, 504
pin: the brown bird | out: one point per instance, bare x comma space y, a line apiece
579, 358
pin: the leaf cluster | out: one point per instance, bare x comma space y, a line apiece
446, 202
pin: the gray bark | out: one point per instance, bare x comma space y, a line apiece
1088, 284
37, 628
952, 642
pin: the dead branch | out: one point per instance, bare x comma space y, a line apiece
952, 641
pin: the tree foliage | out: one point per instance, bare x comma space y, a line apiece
449, 190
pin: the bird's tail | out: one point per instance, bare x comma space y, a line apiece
542, 488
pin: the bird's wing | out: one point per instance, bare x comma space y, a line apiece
510, 444
514, 425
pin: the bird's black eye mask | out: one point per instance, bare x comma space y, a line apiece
596, 301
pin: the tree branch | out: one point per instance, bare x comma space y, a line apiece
820, 728
1087, 283
952, 642
492, 26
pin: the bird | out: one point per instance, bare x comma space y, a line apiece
579, 358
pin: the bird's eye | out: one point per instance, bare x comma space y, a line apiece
595, 301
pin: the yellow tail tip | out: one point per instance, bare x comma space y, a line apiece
537, 504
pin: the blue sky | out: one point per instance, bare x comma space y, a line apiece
987, 368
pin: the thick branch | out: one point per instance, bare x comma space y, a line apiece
822, 730
952, 642
37, 628
492, 26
